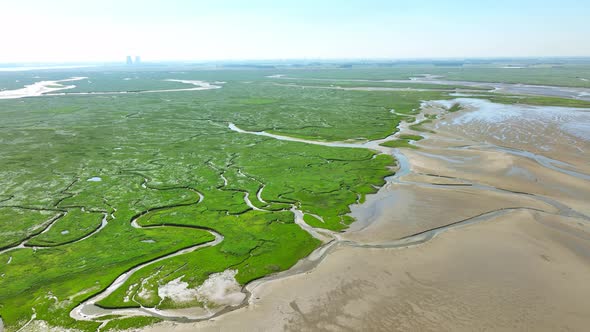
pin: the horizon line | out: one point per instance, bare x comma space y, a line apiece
326, 59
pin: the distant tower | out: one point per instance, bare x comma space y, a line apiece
129, 61
137, 60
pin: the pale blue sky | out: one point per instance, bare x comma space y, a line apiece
107, 30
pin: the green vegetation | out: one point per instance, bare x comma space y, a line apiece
313, 221
17, 224
257, 101
399, 143
455, 108
538, 74
371, 84
129, 323
404, 141
411, 137
257, 244
71, 227
150, 155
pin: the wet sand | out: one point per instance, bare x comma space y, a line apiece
510, 273
511, 250
51, 88
39, 88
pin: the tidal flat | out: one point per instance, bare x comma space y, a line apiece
278, 206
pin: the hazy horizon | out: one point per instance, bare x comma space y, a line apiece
63, 31
417, 60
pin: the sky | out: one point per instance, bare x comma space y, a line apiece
157, 30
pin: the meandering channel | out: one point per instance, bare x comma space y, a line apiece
50, 88
88, 310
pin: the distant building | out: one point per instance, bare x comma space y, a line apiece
137, 60
129, 61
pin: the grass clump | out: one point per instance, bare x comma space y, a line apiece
455, 108
130, 323
411, 137
399, 143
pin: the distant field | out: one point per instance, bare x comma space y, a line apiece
561, 75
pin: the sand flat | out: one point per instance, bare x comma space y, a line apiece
405, 213
484, 276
